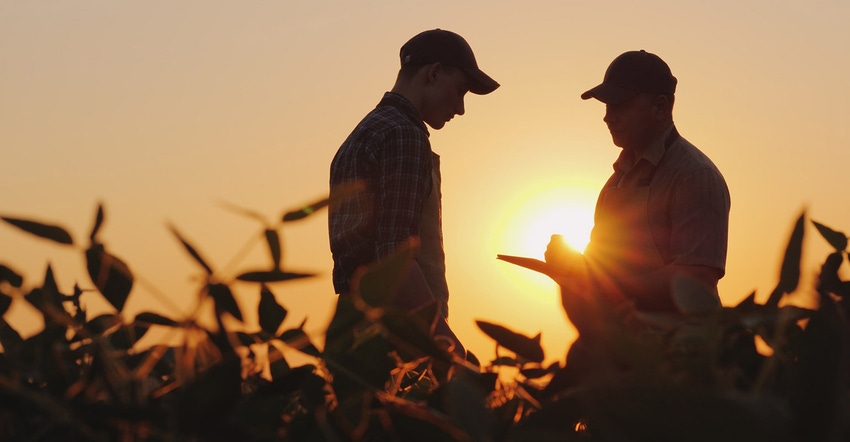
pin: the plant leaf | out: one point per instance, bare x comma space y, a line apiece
528, 348
10, 276
48, 300
377, 284
101, 323
296, 338
506, 361
126, 336
306, 210
271, 313
691, 297
789, 275
747, 303
247, 339
10, 339
47, 231
286, 381
412, 336
243, 211
224, 299
5, 303
109, 274
191, 250
273, 239
98, 221
278, 366
271, 276
155, 319
836, 239
211, 398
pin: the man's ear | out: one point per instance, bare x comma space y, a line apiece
433, 71
662, 106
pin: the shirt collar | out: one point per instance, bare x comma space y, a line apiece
404, 106
653, 154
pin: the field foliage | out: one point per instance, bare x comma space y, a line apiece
381, 377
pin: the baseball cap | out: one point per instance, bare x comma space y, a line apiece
446, 47
631, 73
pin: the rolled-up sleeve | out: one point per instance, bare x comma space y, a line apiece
699, 215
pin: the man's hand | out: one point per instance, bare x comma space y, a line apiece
566, 259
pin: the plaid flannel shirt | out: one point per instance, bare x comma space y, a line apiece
390, 154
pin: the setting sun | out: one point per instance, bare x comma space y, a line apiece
528, 222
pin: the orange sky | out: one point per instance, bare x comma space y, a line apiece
162, 109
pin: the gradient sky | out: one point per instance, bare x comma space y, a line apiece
163, 109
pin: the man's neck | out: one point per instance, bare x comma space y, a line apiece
658, 137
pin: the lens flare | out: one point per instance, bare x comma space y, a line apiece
532, 217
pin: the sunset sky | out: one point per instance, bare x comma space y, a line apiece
165, 110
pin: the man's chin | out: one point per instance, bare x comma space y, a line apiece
436, 125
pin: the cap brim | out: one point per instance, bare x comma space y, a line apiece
482, 84
610, 94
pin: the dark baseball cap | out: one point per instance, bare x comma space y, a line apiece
446, 47
630, 74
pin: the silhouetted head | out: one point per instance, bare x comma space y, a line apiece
638, 91
438, 68
632, 73
448, 49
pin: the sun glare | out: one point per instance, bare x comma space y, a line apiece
528, 222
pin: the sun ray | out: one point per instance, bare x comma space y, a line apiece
529, 220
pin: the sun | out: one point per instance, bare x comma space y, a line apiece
530, 219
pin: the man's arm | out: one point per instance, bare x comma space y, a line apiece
656, 288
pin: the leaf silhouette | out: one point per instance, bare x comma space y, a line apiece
101, 323
277, 364
506, 361
377, 284
155, 319
243, 211
10, 276
5, 303
306, 210
10, 339
276, 275
98, 222
48, 300
109, 274
296, 338
47, 231
273, 239
224, 299
126, 336
247, 339
747, 303
789, 275
528, 348
412, 332
210, 399
692, 297
191, 250
271, 313
836, 239
539, 372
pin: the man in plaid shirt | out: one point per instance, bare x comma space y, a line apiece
390, 156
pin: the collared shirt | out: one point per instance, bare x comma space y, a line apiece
624, 167
388, 152
689, 201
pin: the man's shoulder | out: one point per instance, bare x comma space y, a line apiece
386, 121
686, 157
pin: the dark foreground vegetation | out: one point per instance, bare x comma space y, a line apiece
380, 377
